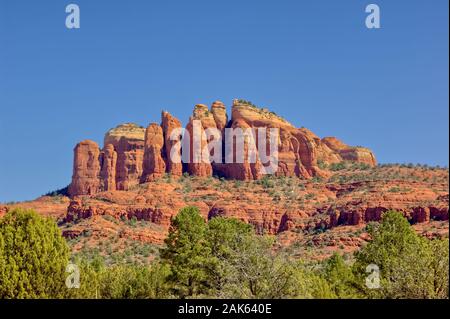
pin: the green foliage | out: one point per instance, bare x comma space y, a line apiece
266, 182
223, 237
410, 266
33, 256
186, 253
121, 281
338, 166
242, 101
90, 277
132, 221
340, 277
310, 284
226, 259
223, 233
253, 271
244, 265
395, 189
133, 282
59, 192
316, 179
440, 267
322, 164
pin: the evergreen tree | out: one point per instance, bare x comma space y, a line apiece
255, 271
223, 237
408, 266
340, 277
187, 253
223, 233
33, 256
440, 267
91, 275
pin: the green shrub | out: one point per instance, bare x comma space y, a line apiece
338, 166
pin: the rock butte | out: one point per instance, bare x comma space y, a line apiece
133, 155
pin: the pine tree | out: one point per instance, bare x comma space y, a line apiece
187, 253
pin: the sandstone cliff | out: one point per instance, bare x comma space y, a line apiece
133, 155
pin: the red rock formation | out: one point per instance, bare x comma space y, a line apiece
108, 171
154, 165
169, 123
128, 142
420, 215
202, 113
289, 158
201, 120
350, 153
297, 147
77, 210
219, 113
122, 163
86, 169
240, 168
264, 221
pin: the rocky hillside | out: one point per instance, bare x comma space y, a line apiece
317, 216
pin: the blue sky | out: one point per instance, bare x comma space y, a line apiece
313, 62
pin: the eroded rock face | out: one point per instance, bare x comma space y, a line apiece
350, 153
129, 131
240, 168
154, 165
108, 171
169, 124
220, 114
128, 141
300, 150
133, 155
86, 169
257, 117
203, 114
198, 165
359, 155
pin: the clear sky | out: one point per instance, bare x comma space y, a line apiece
313, 62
